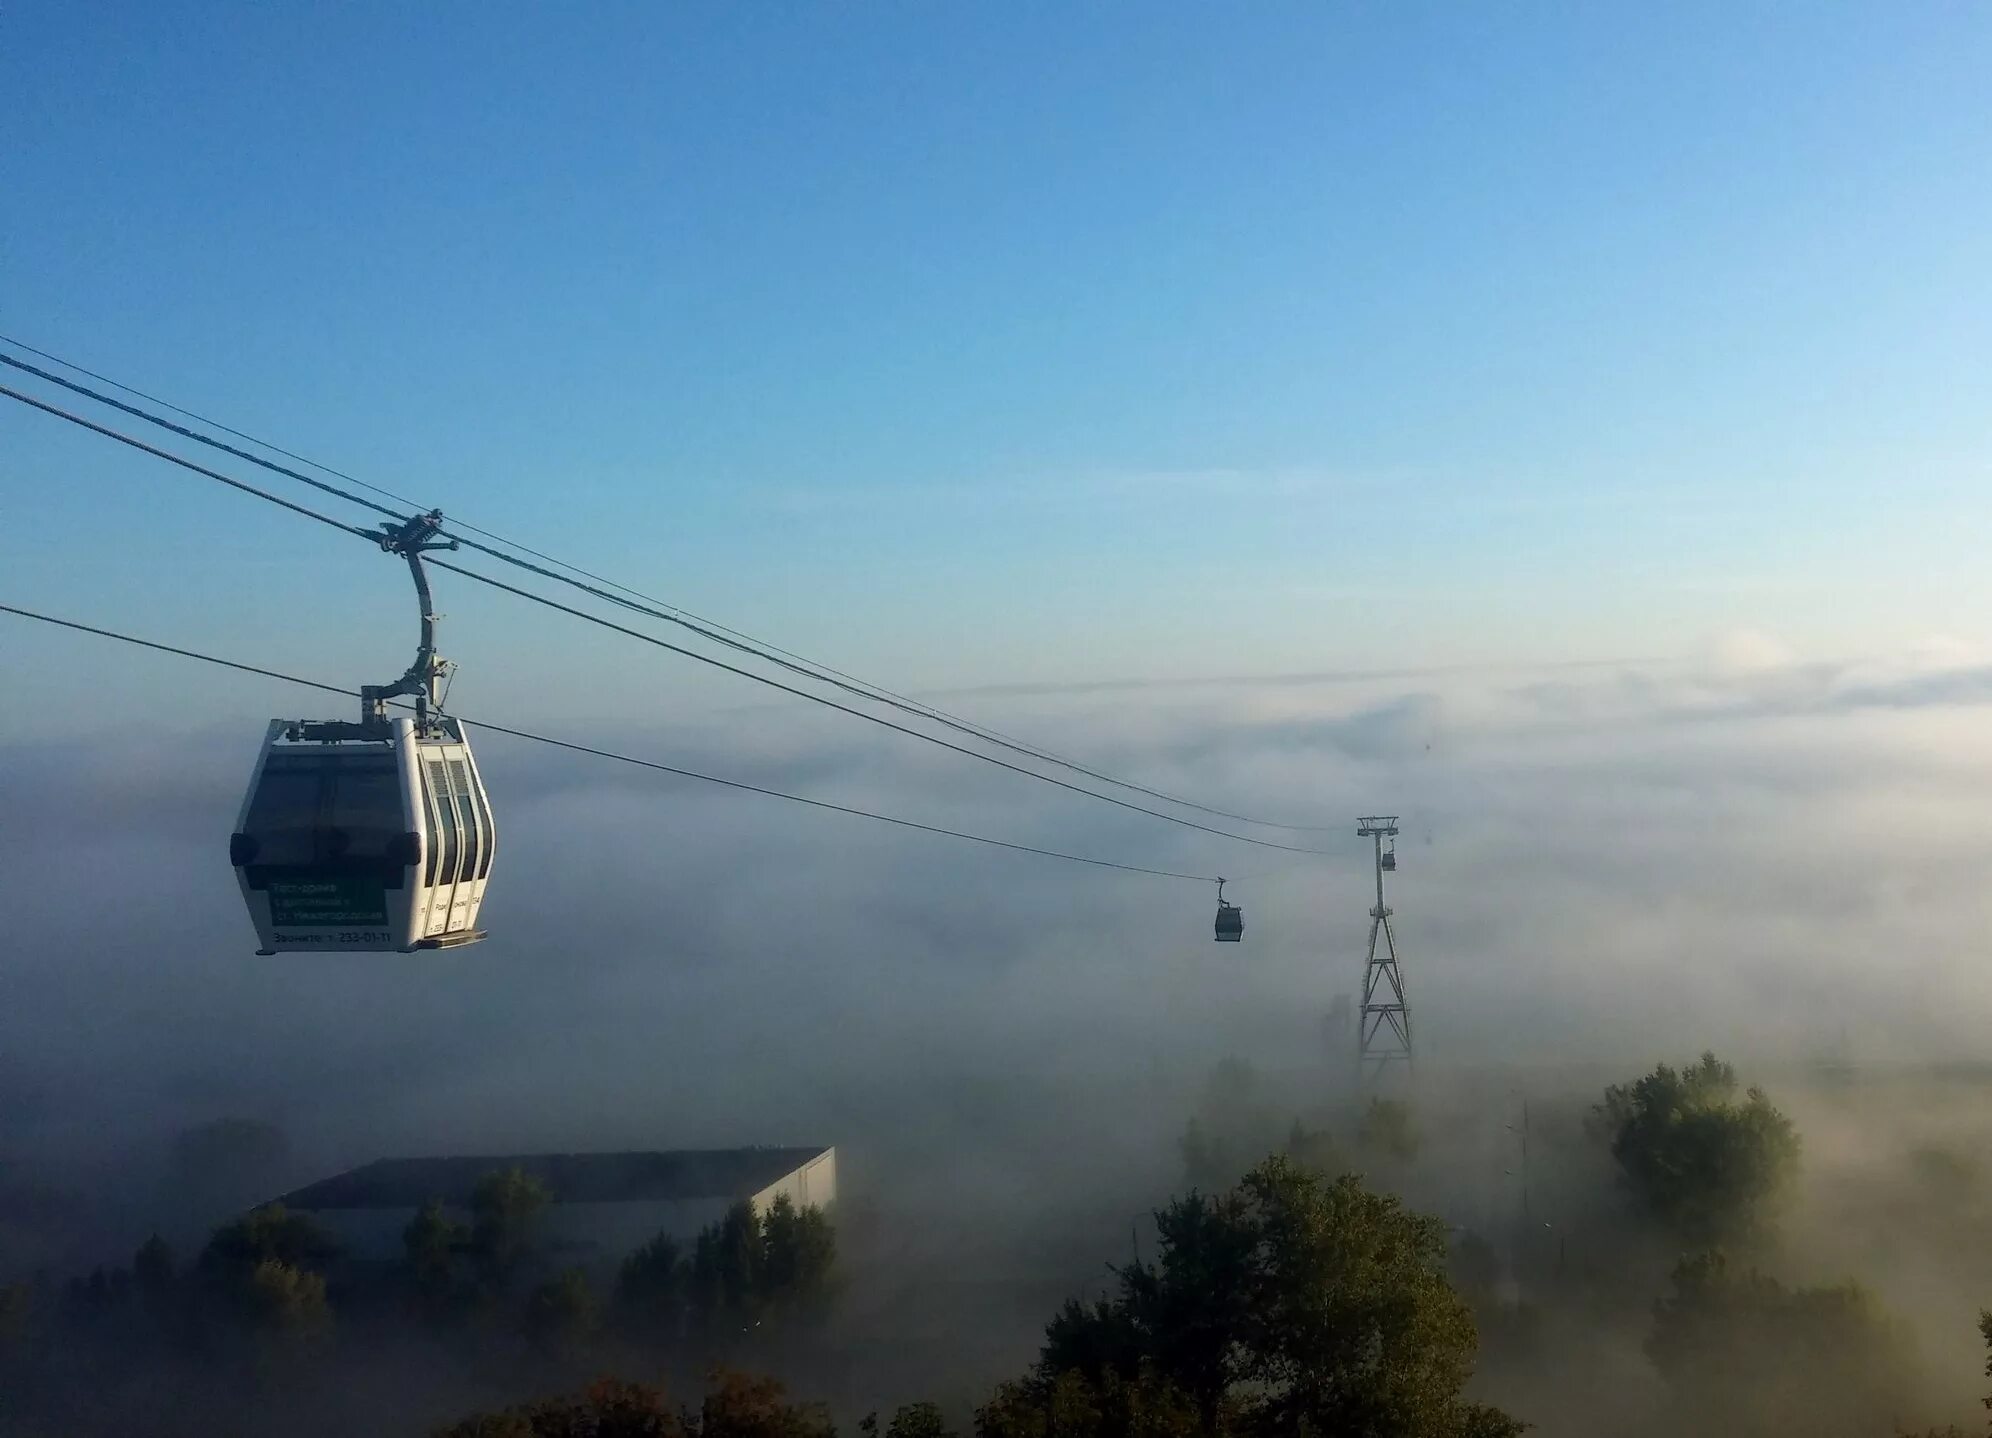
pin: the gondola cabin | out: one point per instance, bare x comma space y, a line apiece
1230, 923
364, 838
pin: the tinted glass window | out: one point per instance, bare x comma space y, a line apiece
324, 806
468, 820
363, 808
484, 826
284, 813
432, 864
447, 814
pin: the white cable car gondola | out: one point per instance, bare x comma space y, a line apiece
1230, 919
371, 837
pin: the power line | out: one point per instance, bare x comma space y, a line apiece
859, 713
665, 644
184, 463
745, 787
707, 628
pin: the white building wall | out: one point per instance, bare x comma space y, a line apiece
814, 1185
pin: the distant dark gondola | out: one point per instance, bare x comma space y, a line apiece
1230, 919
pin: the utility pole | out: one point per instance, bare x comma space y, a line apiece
1383, 1035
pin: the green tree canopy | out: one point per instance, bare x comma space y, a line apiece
798, 1249
505, 1207
1711, 1168
607, 1408
1315, 1150
561, 1314
1387, 1132
653, 1287
429, 1248
742, 1405
1234, 1120
270, 1234
917, 1420
751, 1266
1743, 1354
152, 1266
1288, 1304
1075, 1406
287, 1301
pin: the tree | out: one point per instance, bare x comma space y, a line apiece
1743, 1354
1315, 1150
17, 1313
1290, 1303
429, 1246
505, 1211
919, 1420
1073, 1406
1233, 1121
750, 1267
1985, 1332
607, 1408
740, 1405
1475, 1268
798, 1249
561, 1313
726, 1272
271, 1233
287, 1302
152, 1267
653, 1286
1387, 1132
1710, 1168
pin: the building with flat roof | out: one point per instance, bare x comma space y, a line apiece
603, 1206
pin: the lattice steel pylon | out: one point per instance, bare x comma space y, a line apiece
1383, 1031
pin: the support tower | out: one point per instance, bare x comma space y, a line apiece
1383, 1033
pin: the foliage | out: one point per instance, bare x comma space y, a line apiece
1743, 1353
152, 1266
749, 1267
103, 1291
919, 1420
561, 1313
1074, 1406
798, 1249
17, 1313
1290, 1302
429, 1247
1710, 1168
270, 1234
1234, 1120
505, 1207
1985, 1332
742, 1405
1474, 1267
607, 1408
652, 1287
1315, 1151
287, 1301
1387, 1132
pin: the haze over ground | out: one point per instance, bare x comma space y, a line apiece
1563, 429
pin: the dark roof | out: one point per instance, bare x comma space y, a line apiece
572, 1177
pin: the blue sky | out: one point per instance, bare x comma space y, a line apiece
961, 344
